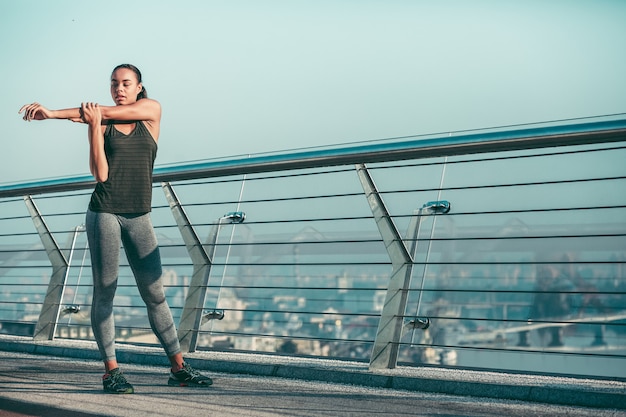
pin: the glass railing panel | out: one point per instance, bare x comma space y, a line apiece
24, 269
523, 268
284, 276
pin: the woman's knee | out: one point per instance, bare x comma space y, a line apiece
152, 294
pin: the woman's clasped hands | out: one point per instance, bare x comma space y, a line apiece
91, 113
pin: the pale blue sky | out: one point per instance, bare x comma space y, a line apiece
244, 77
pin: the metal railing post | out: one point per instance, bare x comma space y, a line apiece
51, 308
193, 314
391, 324
386, 344
194, 302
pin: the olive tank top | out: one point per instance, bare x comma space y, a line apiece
128, 188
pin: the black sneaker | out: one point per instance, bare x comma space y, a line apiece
114, 382
188, 377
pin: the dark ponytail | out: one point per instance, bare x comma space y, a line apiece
143, 93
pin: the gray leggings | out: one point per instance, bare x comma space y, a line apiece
105, 233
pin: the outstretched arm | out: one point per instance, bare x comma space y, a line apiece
36, 111
144, 109
98, 164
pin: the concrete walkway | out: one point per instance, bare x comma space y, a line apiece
596, 393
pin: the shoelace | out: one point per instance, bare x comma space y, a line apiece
190, 371
118, 379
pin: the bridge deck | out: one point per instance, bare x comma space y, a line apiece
65, 375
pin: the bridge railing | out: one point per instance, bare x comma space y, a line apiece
501, 249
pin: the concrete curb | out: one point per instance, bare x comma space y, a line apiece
541, 389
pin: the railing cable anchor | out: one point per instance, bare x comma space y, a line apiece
212, 315
71, 309
419, 323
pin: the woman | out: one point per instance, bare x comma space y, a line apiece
122, 148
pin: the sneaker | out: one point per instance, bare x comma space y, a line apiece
114, 382
188, 377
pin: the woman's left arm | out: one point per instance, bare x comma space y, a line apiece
145, 109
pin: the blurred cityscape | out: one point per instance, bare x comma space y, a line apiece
535, 306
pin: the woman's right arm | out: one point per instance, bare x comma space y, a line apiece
98, 164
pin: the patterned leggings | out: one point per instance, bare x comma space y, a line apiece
105, 233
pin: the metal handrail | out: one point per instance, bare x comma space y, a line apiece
413, 148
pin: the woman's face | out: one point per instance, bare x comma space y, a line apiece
124, 86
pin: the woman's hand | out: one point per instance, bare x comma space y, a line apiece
35, 111
91, 113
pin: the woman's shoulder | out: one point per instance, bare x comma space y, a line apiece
149, 102
150, 109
